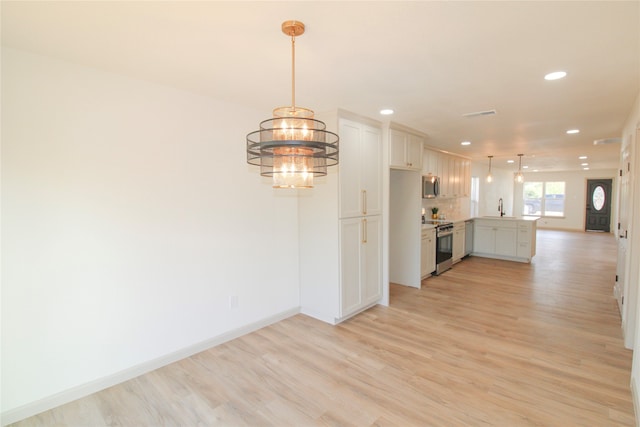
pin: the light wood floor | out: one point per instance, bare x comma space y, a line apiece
487, 343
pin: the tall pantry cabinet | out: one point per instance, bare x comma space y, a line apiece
340, 223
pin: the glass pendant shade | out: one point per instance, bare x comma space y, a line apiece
519, 175
292, 147
489, 176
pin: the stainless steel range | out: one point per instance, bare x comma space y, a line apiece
444, 245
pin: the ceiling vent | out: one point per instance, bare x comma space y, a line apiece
480, 113
607, 141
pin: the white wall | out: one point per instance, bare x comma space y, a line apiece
633, 252
129, 217
404, 227
575, 197
490, 193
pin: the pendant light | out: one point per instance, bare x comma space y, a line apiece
519, 175
489, 176
292, 147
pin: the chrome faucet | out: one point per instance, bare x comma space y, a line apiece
501, 207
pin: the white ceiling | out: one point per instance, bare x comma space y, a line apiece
431, 62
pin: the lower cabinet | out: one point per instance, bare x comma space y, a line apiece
527, 239
360, 263
428, 253
509, 239
458, 241
506, 241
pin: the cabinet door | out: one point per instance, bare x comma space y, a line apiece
467, 178
350, 254
484, 239
458, 178
431, 267
452, 191
524, 233
371, 171
371, 280
524, 241
397, 148
360, 170
427, 253
524, 250
349, 169
360, 263
431, 163
443, 173
458, 244
506, 241
414, 152
424, 255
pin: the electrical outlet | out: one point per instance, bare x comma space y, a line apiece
233, 301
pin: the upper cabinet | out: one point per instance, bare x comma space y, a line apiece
360, 169
405, 150
454, 173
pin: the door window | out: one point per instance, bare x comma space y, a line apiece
598, 198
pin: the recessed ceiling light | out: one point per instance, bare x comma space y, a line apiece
555, 75
536, 170
511, 161
583, 157
386, 111
465, 143
572, 131
525, 167
585, 169
584, 164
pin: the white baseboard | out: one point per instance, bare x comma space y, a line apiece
66, 396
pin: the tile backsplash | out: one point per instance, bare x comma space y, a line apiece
451, 208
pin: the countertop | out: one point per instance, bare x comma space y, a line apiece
511, 218
504, 218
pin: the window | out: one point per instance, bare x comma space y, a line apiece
475, 196
543, 198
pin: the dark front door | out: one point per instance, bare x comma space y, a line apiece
598, 216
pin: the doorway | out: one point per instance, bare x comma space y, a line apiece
598, 210
620, 287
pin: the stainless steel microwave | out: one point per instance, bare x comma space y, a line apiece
430, 186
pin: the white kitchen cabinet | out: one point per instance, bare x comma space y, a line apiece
504, 238
430, 163
484, 239
428, 252
443, 174
506, 243
466, 169
339, 274
405, 150
458, 241
526, 240
360, 169
454, 173
360, 255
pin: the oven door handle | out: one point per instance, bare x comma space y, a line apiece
444, 234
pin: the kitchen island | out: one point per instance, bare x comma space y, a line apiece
507, 238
